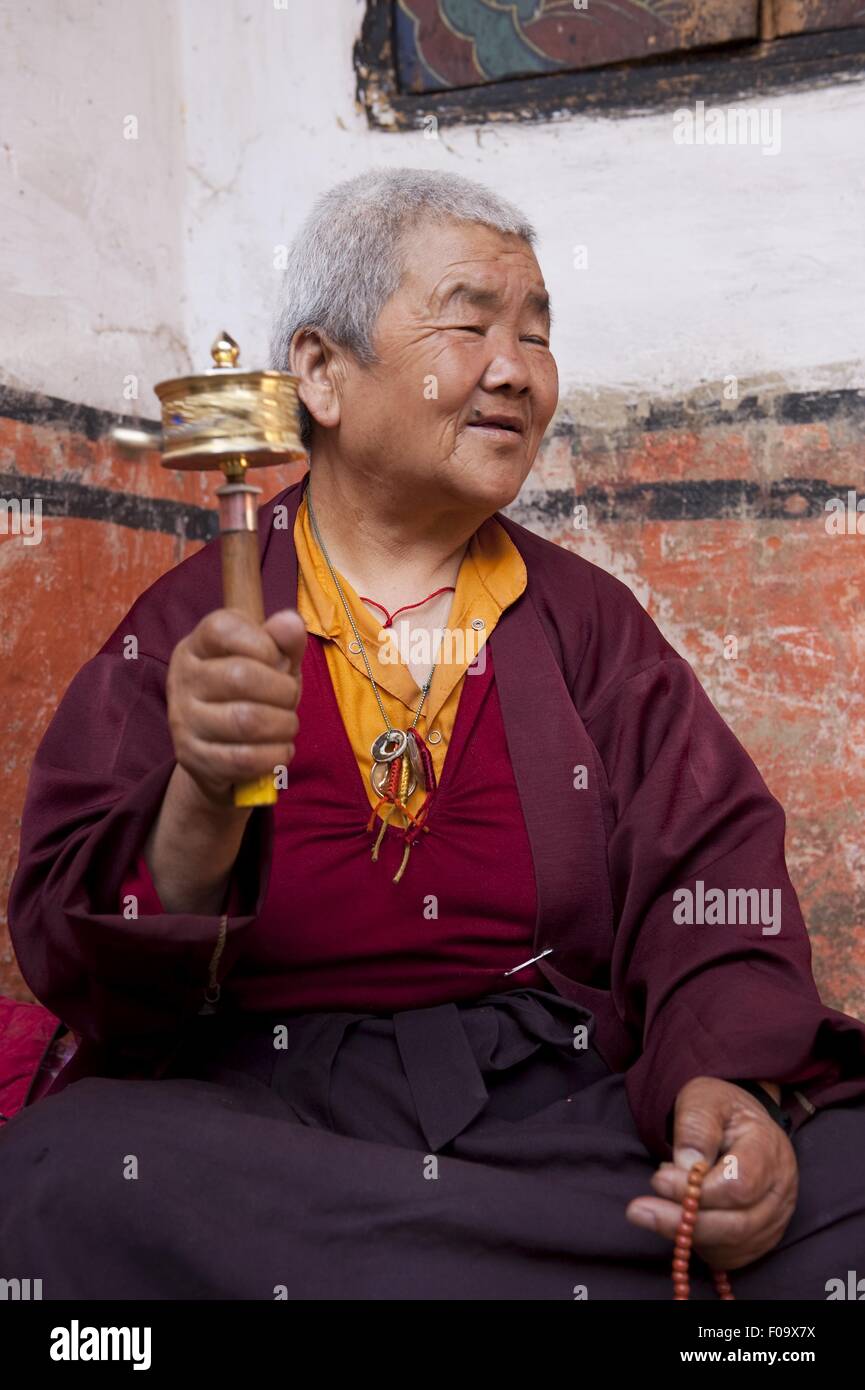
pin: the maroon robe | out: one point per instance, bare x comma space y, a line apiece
585, 680
341, 935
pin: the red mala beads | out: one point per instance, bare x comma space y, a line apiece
685, 1238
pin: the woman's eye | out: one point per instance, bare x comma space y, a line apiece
543, 342
468, 328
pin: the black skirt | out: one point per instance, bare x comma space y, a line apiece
471, 1151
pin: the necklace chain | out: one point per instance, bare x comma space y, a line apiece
427, 683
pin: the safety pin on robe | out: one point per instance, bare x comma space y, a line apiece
513, 971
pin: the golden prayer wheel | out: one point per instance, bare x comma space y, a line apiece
229, 417
234, 420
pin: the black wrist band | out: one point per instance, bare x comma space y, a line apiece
778, 1115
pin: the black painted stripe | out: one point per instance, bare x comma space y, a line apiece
786, 408
32, 408
62, 497
715, 499
691, 500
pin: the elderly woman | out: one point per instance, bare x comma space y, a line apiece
517, 947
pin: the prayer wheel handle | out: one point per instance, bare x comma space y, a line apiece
241, 588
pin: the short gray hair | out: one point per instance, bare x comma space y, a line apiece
345, 261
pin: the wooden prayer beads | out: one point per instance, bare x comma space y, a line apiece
685, 1237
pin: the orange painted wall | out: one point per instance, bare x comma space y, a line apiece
746, 555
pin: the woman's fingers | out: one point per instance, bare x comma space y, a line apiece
742, 1176
242, 721
233, 687
226, 678
725, 1239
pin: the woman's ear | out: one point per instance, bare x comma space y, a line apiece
315, 361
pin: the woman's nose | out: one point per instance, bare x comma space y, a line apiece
508, 366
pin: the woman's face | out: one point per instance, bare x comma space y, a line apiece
462, 343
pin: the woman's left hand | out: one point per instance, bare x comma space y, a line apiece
748, 1196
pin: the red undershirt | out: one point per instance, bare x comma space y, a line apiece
335, 932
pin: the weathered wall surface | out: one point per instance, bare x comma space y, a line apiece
714, 513
109, 529
700, 265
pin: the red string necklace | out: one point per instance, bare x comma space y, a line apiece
446, 588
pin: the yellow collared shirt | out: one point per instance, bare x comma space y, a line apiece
491, 577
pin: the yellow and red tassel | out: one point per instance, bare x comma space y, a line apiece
394, 799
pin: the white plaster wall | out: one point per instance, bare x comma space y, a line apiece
91, 223
702, 261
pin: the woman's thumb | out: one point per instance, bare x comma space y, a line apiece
287, 629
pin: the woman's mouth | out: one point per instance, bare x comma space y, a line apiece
499, 427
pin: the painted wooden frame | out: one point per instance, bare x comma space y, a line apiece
731, 72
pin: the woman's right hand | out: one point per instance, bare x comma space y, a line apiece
233, 688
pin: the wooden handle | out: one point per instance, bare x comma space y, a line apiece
241, 588
241, 576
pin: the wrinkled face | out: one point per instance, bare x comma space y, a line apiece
466, 383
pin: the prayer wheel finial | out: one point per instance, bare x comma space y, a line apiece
225, 351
